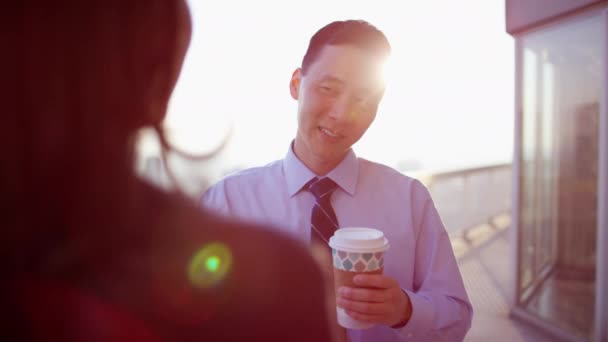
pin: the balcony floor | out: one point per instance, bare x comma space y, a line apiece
486, 266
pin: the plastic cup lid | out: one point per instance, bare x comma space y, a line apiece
359, 239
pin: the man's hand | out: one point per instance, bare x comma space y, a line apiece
376, 299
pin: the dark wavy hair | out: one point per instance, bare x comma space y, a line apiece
81, 79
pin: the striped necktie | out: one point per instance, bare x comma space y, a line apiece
323, 220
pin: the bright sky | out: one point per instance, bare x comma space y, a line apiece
449, 100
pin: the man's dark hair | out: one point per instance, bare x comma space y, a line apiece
359, 33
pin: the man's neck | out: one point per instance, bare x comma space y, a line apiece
321, 168
317, 165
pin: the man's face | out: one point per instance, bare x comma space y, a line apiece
337, 102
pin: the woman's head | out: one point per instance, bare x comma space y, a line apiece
85, 76
92, 64
93, 73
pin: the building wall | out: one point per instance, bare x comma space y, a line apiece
561, 69
525, 14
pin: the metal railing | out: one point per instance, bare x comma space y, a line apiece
466, 198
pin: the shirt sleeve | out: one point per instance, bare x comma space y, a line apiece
216, 199
441, 310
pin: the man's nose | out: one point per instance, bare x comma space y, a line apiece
342, 109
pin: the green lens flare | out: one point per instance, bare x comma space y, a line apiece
210, 265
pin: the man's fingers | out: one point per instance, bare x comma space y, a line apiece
378, 281
366, 308
365, 317
362, 294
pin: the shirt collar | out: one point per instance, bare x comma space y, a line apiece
297, 174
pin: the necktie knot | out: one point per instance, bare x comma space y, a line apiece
323, 220
321, 187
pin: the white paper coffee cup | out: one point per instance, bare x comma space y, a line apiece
354, 251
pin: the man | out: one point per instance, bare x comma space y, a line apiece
338, 88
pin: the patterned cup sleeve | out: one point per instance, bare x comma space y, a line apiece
357, 262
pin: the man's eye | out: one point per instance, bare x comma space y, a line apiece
326, 89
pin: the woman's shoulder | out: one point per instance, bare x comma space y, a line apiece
173, 217
254, 279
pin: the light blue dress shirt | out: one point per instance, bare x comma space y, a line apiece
420, 256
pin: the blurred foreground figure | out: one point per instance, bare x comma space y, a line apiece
91, 253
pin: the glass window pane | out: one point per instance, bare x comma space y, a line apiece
560, 89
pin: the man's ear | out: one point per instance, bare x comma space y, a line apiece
294, 83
